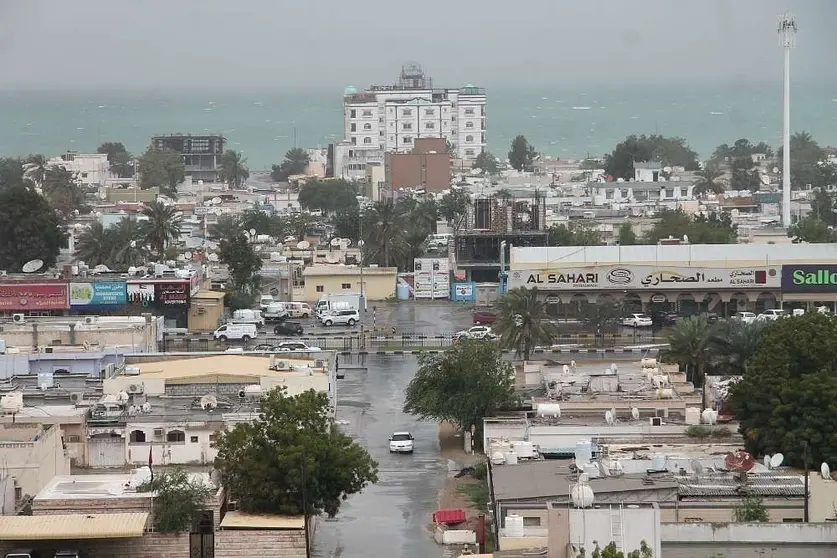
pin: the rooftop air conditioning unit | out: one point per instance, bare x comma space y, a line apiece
662, 413
18, 318
135, 388
655, 421
47, 350
158, 432
90, 320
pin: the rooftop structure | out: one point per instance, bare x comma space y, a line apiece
201, 153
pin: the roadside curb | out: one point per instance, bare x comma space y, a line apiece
535, 352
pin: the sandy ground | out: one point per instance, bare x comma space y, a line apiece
450, 495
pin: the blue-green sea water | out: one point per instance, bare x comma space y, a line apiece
568, 122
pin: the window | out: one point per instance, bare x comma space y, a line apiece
320, 289
352, 113
367, 140
137, 436
175, 436
428, 112
367, 126
193, 439
469, 139
469, 124
354, 127
367, 113
346, 285
354, 141
407, 112
73, 438
469, 112
469, 152
429, 125
531, 521
407, 126
792, 520
408, 139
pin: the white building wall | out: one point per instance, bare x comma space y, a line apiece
33, 463
195, 449
625, 526
91, 169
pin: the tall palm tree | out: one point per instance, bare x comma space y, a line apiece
234, 170
708, 180
162, 227
129, 249
734, 343
95, 245
522, 323
690, 345
226, 226
382, 230
35, 169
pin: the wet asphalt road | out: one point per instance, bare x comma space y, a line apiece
388, 518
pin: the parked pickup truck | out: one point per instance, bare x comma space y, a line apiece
275, 312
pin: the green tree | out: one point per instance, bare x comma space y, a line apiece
487, 162
162, 168
256, 219
708, 180
29, 228
462, 385
577, 233
725, 153
453, 206
297, 225
295, 162
811, 230
751, 509
226, 226
667, 151
522, 154
162, 227
234, 172
178, 500
744, 174
602, 316
626, 235
689, 343
787, 396
806, 154
733, 343
119, 159
712, 229
822, 207
35, 169
382, 232
12, 171
610, 551
328, 195
292, 460
346, 223
241, 259
63, 192
523, 322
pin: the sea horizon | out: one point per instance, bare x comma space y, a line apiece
568, 122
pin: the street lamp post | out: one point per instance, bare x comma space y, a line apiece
787, 33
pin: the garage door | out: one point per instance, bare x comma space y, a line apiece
106, 451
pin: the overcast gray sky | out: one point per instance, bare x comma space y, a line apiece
313, 44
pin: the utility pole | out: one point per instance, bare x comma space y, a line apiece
787, 33
806, 452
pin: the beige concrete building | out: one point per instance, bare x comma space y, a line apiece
70, 419
32, 456
205, 311
378, 282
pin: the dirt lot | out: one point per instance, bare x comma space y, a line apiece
455, 492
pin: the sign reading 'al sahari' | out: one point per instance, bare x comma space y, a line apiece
809, 278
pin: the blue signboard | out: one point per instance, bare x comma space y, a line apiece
463, 292
106, 293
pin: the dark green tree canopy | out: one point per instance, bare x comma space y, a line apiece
162, 168
788, 395
577, 233
244, 263
523, 323
462, 385
295, 162
234, 170
119, 158
29, 228
487, 162
812, 230
714, 229
743, 147
328, 195
626, 235
522, 154
290, 455
454, 206
162, 227
674, 152
806, 156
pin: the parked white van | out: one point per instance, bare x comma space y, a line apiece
238, 332
298, 309
265, 301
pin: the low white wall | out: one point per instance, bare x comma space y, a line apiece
740, 540
455, 536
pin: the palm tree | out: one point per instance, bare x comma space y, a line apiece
95, 245
689, 343
35, 169
734, 343
708, 180
522, 324
234, 170
162, 227
226, 226
382, 230
129, 249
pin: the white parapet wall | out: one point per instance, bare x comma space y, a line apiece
734, 540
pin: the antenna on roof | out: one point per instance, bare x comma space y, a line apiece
32, 266
697, 468
634, 413
609, 417
825, 471
776, 461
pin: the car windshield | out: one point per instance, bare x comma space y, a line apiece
401, 437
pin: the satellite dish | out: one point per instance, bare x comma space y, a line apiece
252, 232
566, 369
146, 407
634, 413
360, 243
335, 242
347, 242
765, 179
32, 266
208, 402
304, 245
767, 461
776, 460
666, 169
613, 368
216, 201
697, 468
609, 417
775, 170
825, 471
102, 195
258, 248
188, 255
613, 412
101, 268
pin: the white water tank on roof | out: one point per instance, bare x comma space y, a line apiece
658, 463
692, 416
549, 410
524, 449
665, 393
582, 495
514, 526
583, 452
709, 416
497, 458
511, 458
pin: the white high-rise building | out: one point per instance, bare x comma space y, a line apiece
389, 118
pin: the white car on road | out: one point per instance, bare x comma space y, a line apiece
745, 317
401, 442
294, 346
341, 317
637, 320
771, 314
477, 332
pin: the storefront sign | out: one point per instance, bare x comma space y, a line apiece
106, 293
431, 278
645, 278
809, 278
141, 294
463, 291
172, 294
33, 296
